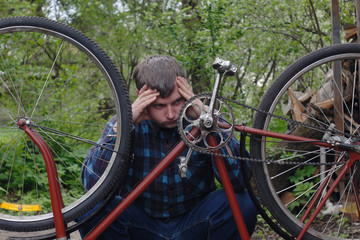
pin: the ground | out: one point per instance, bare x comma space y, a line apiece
264, 232
4, 235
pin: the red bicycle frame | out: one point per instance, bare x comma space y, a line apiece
165, 162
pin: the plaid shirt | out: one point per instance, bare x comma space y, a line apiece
169, 195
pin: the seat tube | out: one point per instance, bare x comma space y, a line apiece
240, 223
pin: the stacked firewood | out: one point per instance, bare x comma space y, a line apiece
320, 103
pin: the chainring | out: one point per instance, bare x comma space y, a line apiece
193, 114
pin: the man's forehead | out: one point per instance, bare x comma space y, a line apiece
175, 95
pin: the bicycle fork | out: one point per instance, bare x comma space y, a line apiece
54, 186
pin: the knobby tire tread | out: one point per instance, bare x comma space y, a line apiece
119, 170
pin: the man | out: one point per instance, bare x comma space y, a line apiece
173, 206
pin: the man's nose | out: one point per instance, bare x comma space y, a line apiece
170, 113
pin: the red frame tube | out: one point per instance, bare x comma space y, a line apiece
222, 171
54, 186
356, 194
282, 136
219, 162
317, 196
57, 203
104, 224
353, 158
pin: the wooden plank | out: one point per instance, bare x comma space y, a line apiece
337, 84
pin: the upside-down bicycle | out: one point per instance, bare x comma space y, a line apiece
59, 89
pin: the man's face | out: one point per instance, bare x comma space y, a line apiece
165, 111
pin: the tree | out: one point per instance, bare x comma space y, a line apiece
261, 37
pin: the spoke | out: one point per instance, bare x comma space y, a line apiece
16, 99
308, 114
10, 92
342, 100
353, 99
73, 123
35, 169
79, 106
64, 147
46, 82
6, 148
12, 165
296, 166
301, 195
23, 176
56, 116
38, 170
82, 105
301, 103
67, 89
77, 138
67, 82
7, 113
300, 182
60, 158
347, 189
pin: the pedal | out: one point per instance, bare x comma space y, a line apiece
224, 67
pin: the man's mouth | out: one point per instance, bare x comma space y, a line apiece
171, 122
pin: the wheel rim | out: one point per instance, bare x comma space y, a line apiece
55, 82
306, 177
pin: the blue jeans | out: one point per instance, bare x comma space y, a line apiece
211, 218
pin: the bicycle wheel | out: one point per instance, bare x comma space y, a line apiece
67, 88
309, 92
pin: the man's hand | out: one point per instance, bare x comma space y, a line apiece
184, 88
145, 98
186, 91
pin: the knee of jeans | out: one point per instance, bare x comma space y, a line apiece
224, 212
119, 227
117, 230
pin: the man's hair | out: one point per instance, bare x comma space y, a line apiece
158, 72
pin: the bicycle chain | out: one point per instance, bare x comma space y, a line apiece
285, 119
209, 152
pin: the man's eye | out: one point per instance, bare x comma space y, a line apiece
178, 101
158, 105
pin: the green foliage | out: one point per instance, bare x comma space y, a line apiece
261, 37
302, 190
302, 173
73, 95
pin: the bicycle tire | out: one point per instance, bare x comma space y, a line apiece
58, 79
286, 189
